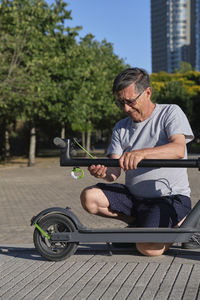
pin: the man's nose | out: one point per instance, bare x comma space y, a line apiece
127, 108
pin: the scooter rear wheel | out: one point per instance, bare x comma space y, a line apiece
54, 251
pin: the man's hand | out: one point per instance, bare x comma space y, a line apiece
98, 171
175, 149
130, 160
109, 174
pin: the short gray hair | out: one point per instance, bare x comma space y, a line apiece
138, 76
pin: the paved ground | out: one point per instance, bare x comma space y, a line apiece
91, 273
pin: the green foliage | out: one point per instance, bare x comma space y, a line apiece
93, 75
182, 89
174, 93
30, 32
45, 74
184, 67
33, 43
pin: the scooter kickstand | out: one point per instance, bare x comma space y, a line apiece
109, 248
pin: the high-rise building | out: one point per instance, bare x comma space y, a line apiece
198, 36
175, 34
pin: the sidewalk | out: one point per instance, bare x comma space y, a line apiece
91, 273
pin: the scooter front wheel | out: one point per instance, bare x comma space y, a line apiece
54, 251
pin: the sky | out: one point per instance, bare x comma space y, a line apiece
125, 24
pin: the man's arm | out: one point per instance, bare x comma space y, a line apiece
108, 173
175, 149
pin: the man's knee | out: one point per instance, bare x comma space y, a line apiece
88, 196
152, 249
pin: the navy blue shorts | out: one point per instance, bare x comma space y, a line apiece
165, 211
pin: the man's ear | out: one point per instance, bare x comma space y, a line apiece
149, 92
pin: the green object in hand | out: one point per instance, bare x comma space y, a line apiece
77, 171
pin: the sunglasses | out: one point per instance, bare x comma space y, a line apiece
131, 102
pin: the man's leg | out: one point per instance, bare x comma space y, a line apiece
95, 202
155, 249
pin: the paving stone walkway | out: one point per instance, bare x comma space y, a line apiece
91, 273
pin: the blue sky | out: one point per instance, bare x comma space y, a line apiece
124, 23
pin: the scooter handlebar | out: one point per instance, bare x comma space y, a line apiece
67, 160
59, 143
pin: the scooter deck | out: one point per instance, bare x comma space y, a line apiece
126, 235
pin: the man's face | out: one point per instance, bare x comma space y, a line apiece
136, 105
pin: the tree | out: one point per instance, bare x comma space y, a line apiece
92, 99
47, 76
12, 80
28, 77
174, 93
184, 67
179, 88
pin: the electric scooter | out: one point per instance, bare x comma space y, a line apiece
58, 231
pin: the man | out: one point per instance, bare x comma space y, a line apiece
154, 197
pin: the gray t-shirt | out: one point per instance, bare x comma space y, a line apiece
165, 121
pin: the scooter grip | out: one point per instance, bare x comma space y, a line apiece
59, 143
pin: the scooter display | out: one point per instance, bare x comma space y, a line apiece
58, 231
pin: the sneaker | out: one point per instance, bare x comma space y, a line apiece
194, 242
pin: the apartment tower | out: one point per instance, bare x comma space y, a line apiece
175, 34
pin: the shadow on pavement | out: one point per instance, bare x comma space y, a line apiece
26, 253
30, 253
